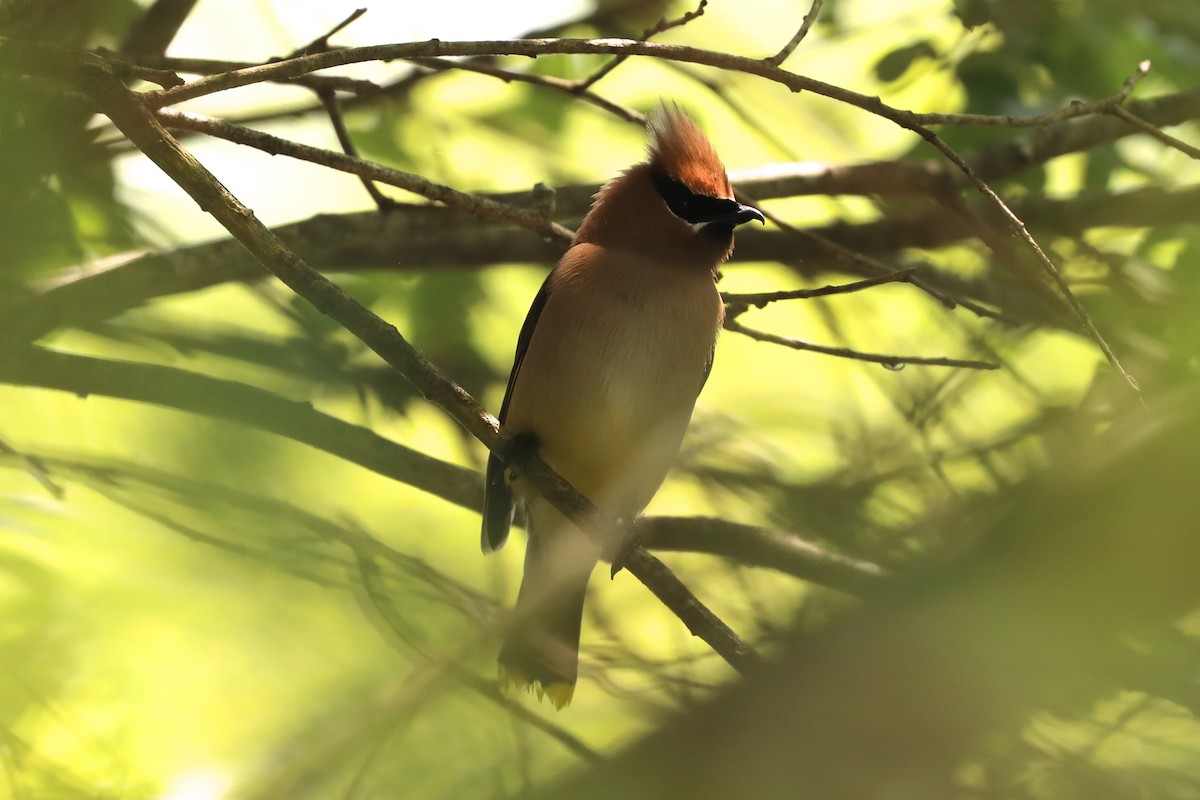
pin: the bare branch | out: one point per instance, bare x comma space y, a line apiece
180, 389
889, 361
299, 421
760, 300
545, 81
426, 237
1073, 110
1048, 267
165, 78
36, 467
848, 256
538, 47
1010, 158
663, 24
321, 43
1121, 112
453, 198
330, 101
763, 547
212, 66
805, 25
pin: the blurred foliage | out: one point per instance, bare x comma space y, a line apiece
193, 608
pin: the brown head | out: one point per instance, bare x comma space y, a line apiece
678, 204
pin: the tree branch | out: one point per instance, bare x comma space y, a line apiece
475, 205
298, 421
334, 109
321, 43
663, 24
889, 361
534, 48
1145, 127
761, 299
805, 25
432, 238
763, 547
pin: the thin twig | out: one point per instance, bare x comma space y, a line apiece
1018, 227
213, 66
476, 205
181, 389
321, 43
1121, 112
430, 237
760, 300
763, 547
1072, 110
805, 25
663, 24
333, 108
846, 255
166, 78
548, 81
36, 467
889, 361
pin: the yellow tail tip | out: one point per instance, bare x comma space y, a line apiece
560, 693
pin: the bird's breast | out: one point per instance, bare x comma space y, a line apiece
613, 369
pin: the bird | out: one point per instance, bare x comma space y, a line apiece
609, 363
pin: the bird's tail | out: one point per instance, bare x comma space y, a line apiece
541, 651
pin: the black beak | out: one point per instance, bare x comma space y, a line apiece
736, 215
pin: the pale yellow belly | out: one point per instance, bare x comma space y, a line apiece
609, 382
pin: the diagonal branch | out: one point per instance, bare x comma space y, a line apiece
663, 24
321, 43
1120, 112
334, 109
761, 299
1018, 227
805, 25
479, 206
171, 387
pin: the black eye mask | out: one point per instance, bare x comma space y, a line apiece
700, 209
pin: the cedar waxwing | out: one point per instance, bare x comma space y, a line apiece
610, 360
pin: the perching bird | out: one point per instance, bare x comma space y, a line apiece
610, 360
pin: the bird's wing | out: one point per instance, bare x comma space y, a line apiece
712, 353
497, 496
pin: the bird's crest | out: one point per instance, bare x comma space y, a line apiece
681, 150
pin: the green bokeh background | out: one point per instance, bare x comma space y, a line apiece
177, 617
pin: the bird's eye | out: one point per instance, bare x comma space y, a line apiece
678, 197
